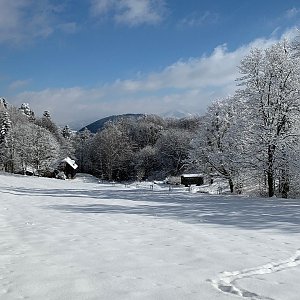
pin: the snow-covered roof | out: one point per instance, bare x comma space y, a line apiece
71, 162
192, 175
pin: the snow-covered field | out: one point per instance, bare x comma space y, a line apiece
84, 240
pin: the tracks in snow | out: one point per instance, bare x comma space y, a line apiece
226, 282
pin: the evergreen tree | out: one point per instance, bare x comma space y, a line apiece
3, 103
66, 132
25, 109
5, 125
46, 114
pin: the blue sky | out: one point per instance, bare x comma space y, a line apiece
83, 60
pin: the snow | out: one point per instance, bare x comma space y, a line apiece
71, 162
192, 175
82, 239
219, 186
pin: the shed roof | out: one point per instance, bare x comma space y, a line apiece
70, 162
192, 175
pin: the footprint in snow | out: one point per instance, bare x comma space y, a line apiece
226, 282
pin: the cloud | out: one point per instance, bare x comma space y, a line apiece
189, 85
219, 69
22, 21
15, 85
199, 19
130, 12
292, 13
69, 28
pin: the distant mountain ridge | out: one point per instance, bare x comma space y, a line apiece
99, 124
178, 114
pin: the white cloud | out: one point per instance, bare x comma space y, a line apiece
219, 69
199, 19
189, 85
18, 84
130, 12
99, 7
292, 13
70, 27
10, 18
21, 21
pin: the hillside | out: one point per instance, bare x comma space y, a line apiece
98, 125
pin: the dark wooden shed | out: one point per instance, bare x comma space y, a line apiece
190, 179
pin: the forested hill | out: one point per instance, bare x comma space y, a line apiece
95, 126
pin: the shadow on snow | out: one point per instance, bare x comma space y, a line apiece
243, 212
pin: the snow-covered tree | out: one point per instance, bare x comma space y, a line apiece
67, 143
45, 150
172, 149
270, 93
112, 152
145, 131
3, 103
22, 142
46, 114
216, 149
66, 132
25, 144
25, 109
82, 144
8, 148
46, 122
146, 162
30, 146
5, 125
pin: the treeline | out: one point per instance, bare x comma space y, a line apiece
126, 149
251, 138
149, 147
29, 144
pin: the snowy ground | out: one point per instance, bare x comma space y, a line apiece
84, 240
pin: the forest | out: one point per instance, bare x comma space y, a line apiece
250, 138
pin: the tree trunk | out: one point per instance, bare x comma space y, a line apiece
285, 187
270, 171
231, 185
230, 181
